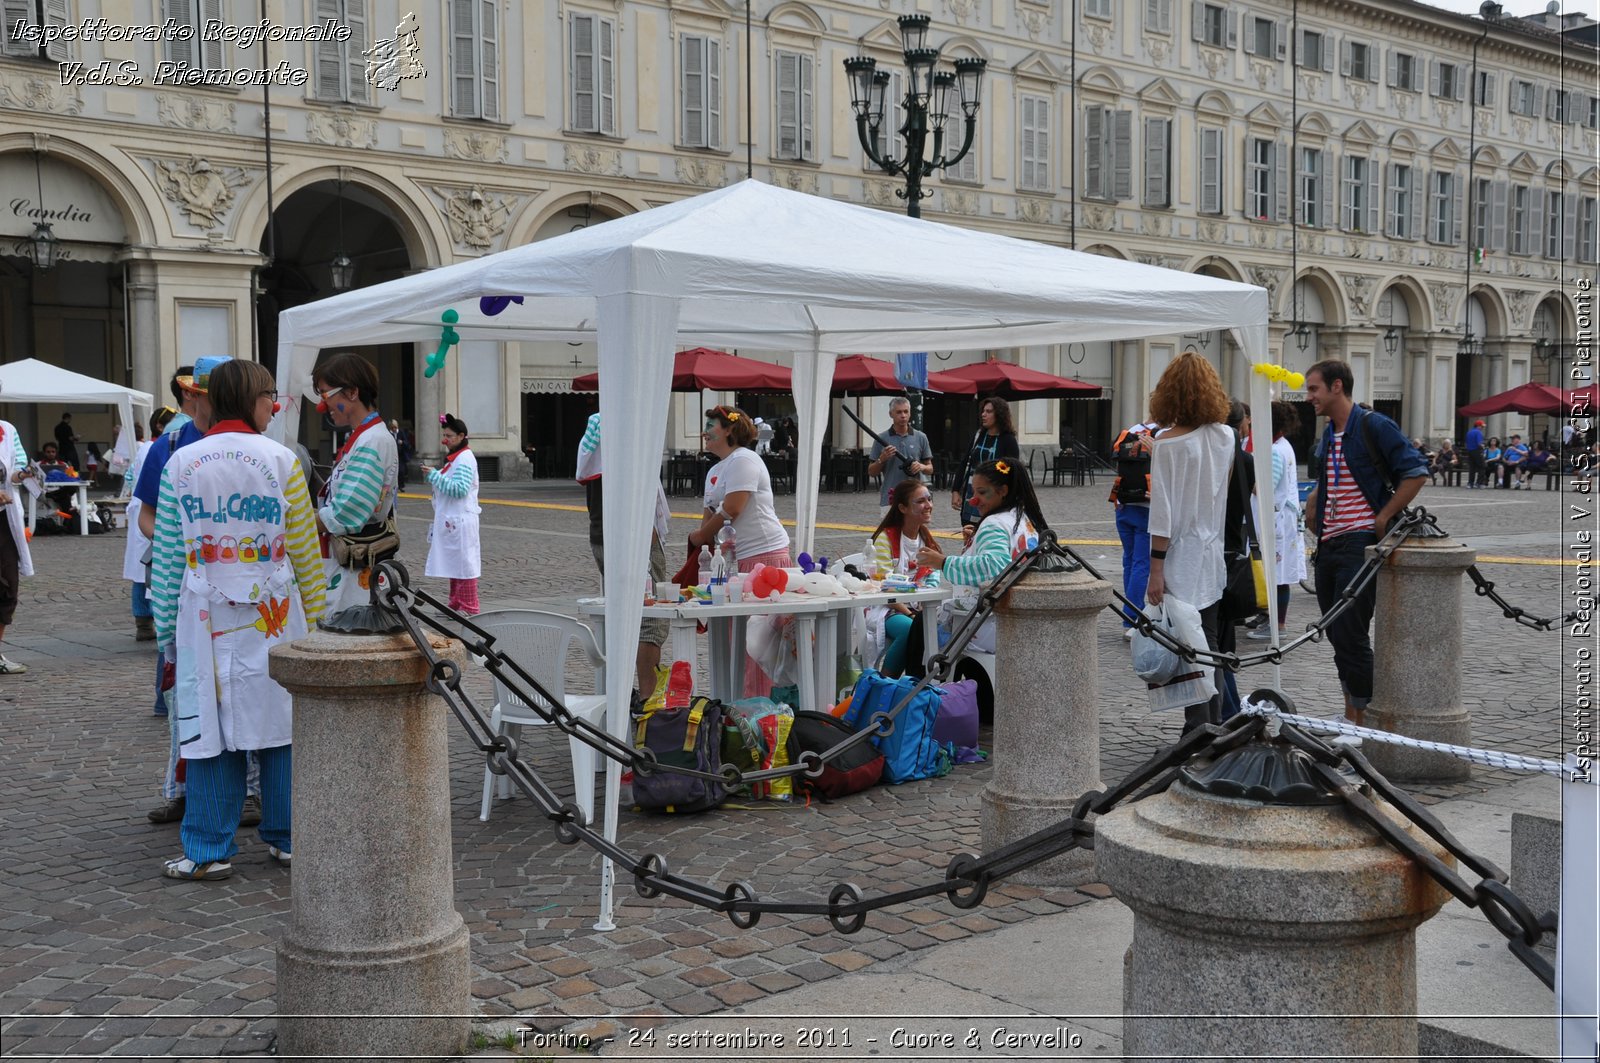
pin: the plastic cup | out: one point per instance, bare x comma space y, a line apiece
667, 592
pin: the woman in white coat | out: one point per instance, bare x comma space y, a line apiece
453, 551
15, 561
1290, 551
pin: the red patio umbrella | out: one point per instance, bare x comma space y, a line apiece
704, 368
1531, 397
858, 374
1009, 381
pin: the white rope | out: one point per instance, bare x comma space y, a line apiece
1488, 757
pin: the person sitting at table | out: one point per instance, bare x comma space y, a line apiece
897, 540
739, 490
1003, 496
1512, 475
49, 460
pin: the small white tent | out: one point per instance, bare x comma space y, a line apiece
31, 380
761, 268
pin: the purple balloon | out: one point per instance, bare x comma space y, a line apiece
493, 305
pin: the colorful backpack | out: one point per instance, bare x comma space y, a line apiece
910, 751
1133, 469
688, 736
849, 772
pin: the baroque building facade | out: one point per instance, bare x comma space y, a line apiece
1416, 189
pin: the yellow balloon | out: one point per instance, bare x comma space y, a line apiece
1297, 381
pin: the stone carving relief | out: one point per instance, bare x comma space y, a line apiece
1312, 243
876, 193
1444, 298
1211, 231
1310, 84
707, 173
1485, 122
1519, 301
194, 112
475, 146
1158, 48
1268, 277
1263, 236
799, 180
586, 158
30, 92
342, 128
1214, 61
960, 10
475, 220
1446, 110
1149, 258
199, 190
1522, 126
1359, 288
1262, 72
1158, 225
1358, 93
1401, 102
1441, 260
1034, 209
960, 201
1100, 219
1035, 19
1354, 247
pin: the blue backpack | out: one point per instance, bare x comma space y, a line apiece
911, 751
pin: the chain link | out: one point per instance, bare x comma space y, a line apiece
967, 877
1483, 587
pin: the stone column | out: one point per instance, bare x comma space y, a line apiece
1247, 915
1047, 726
373, 929
144, 320
1415, 364
1418, 620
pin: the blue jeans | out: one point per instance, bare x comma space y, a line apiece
1133, 528
1338, 559
141, 602
216, 798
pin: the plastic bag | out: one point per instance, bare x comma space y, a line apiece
770, 641
1152, 661
1191, 682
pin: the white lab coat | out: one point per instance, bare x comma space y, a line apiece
133, 566
453, 548
8, 466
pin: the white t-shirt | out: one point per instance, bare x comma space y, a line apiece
756, 529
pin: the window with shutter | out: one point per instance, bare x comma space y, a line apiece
183, 51
1517, 220
581, 60
1035, 130
1122, 155
1262, 39
591, 48
794, 102
1535, 221
1311, 188
1359, 61
1354, 194
1094, 152
1097, 8
1588, 232
211, 51
1401, 202
339, 69
967, 168
1309, 54
1569, 225
605, 81
1157, 150
1210, 24
1498, 196
1555, 224
22, 20
885, 141
1403, 71
1280, 183
489, 60
1592, 120
1374, 199
713, 93
692, 90
1480, 210
1158, 16
1259, 168
1211, 194
1441, 207
1483, 89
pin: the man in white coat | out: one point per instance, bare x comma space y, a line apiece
15, 561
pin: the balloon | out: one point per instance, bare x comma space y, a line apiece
1297, 381
447, 339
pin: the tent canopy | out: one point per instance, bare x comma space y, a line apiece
1531, 397
705, 369
1010, 381
31, 380
756, 267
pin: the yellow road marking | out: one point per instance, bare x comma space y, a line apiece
830, 526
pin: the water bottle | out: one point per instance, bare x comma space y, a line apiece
869, 559
707, 576
726, 549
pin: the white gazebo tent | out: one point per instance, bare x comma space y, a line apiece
31, 380
762, 268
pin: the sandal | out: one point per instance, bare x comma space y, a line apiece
185, 868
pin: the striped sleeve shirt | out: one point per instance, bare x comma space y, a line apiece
456, 483
19, 450
302, 546
1345, 510
166, 562
991, 553
354, 497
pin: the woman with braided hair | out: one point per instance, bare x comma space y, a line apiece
453, 549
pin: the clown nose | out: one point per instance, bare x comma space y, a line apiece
277, 407
322, 406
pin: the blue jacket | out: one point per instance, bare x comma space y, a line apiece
1474, 440
1395, 453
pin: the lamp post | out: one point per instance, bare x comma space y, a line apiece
927, 109
43, 247
342, 271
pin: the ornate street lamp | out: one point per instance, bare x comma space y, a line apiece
342, 271
1391, 340
927, 109
43, 247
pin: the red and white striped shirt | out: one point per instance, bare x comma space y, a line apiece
1345, 509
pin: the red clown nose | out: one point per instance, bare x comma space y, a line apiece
322, 406
277, 407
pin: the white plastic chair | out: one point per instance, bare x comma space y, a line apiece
538, 641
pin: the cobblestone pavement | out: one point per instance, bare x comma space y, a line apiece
99, 954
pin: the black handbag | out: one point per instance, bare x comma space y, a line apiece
1239, 598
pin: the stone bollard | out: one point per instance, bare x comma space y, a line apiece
1047, 715
1248, 915
373, 930
1417, 647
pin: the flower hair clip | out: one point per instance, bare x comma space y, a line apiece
1002, 468
733, 415
444, 419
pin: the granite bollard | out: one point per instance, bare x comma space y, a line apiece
374, 963
1417, 647
1282, 931
1047, 715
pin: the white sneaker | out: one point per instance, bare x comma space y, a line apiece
282, 856
1127, 634
11, 667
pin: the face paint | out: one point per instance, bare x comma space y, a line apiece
340, 407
